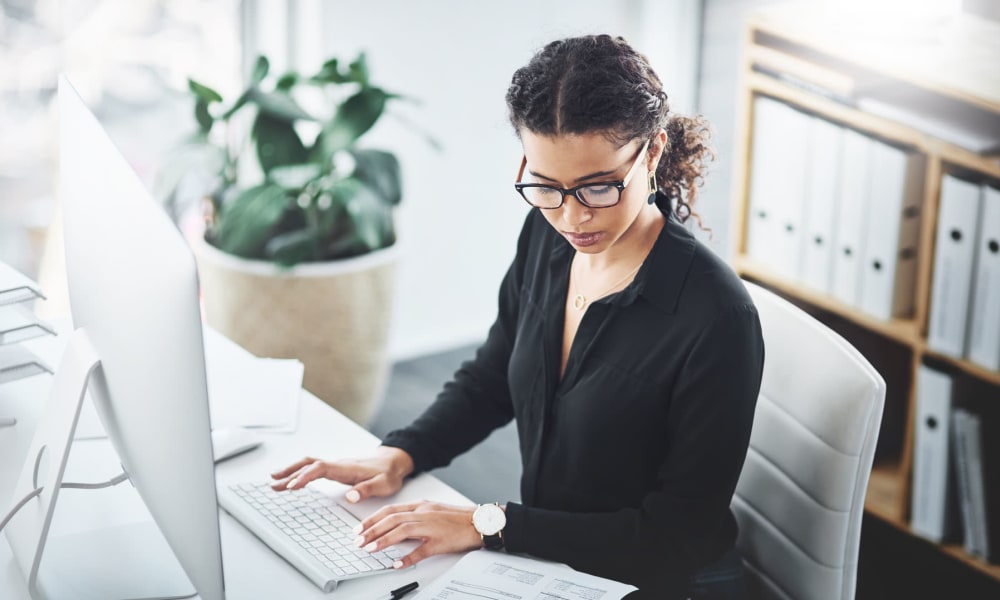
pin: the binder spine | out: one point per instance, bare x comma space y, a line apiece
953, 257
905, 282
984, 335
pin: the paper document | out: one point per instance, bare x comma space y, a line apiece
17, 362
15, 287
246, 391
487, 575
18, 324
243, 390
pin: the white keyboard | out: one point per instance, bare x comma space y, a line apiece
309, 530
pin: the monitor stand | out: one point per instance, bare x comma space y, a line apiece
132, 561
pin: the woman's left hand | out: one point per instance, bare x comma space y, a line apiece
440, 528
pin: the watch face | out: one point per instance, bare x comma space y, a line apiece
489, 519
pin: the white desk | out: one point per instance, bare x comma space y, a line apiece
252, 570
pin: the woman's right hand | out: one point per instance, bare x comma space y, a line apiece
378, 475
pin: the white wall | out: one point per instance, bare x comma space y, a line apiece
460, 216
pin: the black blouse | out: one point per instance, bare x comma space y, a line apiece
630, 462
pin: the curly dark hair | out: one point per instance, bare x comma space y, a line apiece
599, 83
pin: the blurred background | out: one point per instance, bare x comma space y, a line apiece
459, 217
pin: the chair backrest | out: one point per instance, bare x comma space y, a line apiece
800, 498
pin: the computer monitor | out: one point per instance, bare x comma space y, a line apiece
133, 292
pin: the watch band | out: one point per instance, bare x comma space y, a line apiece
493, 542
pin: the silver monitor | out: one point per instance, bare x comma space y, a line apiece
138, 345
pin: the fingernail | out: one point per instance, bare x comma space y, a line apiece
397, 565
290, 483
359, 542
357, 528
352, 496
370, 547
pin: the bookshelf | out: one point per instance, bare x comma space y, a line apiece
821, 63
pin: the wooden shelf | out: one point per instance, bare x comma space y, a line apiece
823, 60
975, 562
965, 366
901, 330
953, 56
956, 551
884, 497
873, 124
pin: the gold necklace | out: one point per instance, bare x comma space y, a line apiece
580, 301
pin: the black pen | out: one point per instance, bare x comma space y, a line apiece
399, 592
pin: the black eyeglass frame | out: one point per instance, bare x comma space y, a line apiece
575, 191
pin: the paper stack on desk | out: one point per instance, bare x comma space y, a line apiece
17, 324
247, 391
496, 576
243, 390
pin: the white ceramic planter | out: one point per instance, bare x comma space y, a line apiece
333, 316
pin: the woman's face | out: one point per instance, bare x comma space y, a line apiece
568, 161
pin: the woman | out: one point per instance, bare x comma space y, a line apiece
629, 354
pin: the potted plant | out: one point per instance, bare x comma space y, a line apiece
297, 259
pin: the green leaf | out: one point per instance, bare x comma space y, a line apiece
240, 103
379, 170
294, 177
287, 81
358, 70
278, 105
245, 224
330, 73
203, 92
293, 247
277, 143
202, 115
260, 69
353, 118
370, 216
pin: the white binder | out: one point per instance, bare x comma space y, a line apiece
889, 267
823, 172
852, 216
776, 185
984, 335
764, 168
954, 252
790, 189
933, 513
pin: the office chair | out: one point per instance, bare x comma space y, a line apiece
800, 498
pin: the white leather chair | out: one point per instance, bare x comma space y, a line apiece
800, 498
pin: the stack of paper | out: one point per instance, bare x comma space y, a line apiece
17, 324
486, 575
243, 390
246, 391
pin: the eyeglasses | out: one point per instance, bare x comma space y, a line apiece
593, 195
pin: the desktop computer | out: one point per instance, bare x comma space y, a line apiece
138, 348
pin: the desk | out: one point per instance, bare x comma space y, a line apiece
252, 570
